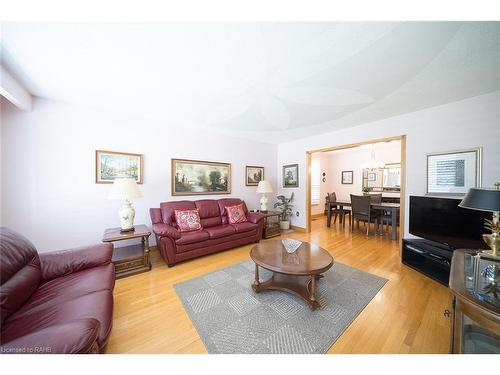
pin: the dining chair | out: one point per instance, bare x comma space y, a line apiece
336, 210
385, 221
361, 211
385, 217
377, 198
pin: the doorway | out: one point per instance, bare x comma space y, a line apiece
311, 172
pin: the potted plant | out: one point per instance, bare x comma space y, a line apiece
285, 205
367, 190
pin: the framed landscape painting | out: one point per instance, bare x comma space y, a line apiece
111, 165
253, 175
197, 177
291, 175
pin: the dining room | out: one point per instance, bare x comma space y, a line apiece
358, 187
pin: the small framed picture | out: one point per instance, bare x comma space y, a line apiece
110, 165
253, 175
291, 175
347, 177
453, 172
372, 176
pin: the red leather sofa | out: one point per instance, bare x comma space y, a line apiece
54, 302
216, 234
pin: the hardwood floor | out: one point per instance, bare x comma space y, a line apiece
406, 316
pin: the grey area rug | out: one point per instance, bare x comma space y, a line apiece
231, 318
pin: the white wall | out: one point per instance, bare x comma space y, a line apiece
49, 192
326, 186
468, 123
48, 172
13, 91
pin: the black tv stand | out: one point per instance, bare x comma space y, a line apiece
429, 258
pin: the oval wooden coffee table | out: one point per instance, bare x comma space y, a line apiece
295, 273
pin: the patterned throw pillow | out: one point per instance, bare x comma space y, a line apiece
187, 220
236, 214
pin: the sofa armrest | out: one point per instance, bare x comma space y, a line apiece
74, 337
166, 230
254, 217
155, 214
59, 263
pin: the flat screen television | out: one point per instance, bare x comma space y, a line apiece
441, 220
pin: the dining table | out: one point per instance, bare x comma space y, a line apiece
393, 208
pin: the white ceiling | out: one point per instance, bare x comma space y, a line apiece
272, 82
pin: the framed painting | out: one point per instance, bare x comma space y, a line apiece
372, 176
453, 172
111, 164
291, 175
253, 175
347, 177
197, 177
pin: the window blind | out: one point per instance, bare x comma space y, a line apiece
315, 181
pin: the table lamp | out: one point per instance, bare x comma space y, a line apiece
263, 188
487, 200
125, 189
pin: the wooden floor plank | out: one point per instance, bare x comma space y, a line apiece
405, 317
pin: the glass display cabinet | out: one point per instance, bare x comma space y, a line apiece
475, 288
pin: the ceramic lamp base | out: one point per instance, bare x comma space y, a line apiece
263, 203
127, 215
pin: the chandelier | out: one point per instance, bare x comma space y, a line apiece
373, 163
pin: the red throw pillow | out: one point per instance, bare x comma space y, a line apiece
187, 220
236, 214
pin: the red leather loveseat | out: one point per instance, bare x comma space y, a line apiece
216, 233
54, 302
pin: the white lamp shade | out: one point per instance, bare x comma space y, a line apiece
124, 188
264, 187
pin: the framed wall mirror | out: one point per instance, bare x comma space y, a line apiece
392, 177
386, 179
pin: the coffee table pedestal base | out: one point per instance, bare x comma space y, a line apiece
303, 287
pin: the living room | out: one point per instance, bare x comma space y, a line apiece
198, 187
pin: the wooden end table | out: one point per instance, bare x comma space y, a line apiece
271, 223
132, 259
294, 273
